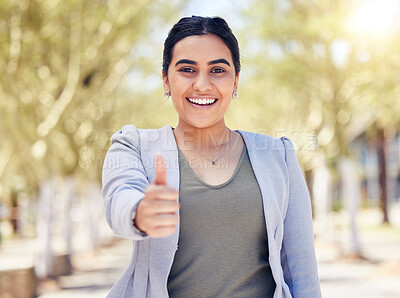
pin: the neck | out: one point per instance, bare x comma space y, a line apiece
207, 138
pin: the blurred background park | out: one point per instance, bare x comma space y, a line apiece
325, 73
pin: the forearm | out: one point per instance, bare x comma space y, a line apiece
124, 183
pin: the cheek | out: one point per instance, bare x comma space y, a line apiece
224, 84
180, 84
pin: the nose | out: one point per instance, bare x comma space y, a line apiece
202, 82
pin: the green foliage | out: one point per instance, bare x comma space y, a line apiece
310, 72
62, 95
73, 72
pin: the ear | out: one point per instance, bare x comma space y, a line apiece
165, 82
235, 85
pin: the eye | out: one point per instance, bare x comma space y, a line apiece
186, 69
218, 70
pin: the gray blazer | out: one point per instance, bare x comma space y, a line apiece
128, 169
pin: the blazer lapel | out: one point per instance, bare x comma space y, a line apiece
261, 153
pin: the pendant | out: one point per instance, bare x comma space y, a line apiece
213, 162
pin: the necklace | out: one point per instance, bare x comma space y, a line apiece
212, 160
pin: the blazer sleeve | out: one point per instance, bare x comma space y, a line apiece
298, 258
124, 181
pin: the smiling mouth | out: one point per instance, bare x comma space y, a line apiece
202, 101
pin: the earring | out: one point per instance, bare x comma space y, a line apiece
234, 95
166, 95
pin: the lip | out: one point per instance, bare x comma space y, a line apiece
202, 107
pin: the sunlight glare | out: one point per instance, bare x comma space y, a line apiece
375, 18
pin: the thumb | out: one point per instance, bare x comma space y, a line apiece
160, 177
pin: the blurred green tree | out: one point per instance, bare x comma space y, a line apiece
63, 65
67, 84
312, 70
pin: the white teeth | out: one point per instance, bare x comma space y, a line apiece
201, 101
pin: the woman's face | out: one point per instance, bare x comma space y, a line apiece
201, 79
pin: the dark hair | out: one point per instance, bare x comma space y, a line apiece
196, 25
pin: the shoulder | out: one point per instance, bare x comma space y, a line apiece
131, 135
280, 150
266, 142
127, 135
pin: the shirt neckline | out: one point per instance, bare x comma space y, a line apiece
238, 166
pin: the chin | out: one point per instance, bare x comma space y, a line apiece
201, 124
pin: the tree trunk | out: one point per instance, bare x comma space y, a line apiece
382, 174
14, 212
309, 182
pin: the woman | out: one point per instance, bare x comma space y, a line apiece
212, 212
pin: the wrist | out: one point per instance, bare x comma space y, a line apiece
135, 227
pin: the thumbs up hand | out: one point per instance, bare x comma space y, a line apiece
156, 214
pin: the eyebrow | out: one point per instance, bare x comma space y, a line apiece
219, 61
187, 61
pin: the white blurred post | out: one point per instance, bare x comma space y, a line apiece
322, 196
44, 260
351, 198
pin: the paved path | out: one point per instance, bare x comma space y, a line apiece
358, 278
376, 276
340, 277
94, 273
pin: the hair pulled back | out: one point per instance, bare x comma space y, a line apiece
196, 25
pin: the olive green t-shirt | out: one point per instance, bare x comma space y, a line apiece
223, 245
